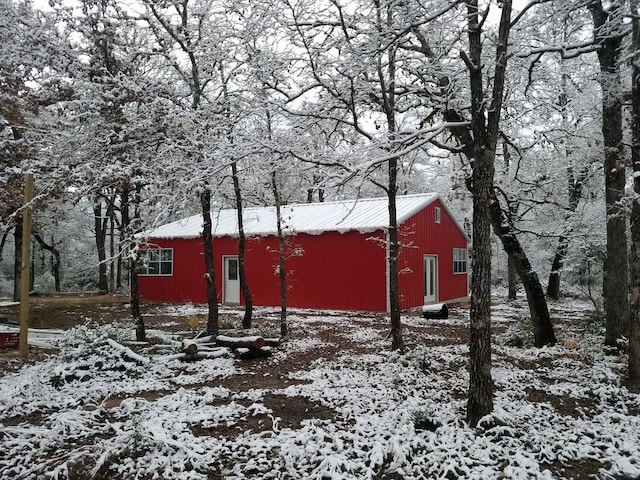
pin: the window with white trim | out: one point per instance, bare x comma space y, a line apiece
459, 260
156, 261
437, 214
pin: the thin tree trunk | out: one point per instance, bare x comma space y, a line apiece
55, 256
112, 249
141, 334
244, 286
124, 215
100, 230
607, 32
282, 267
397, 341
512, 275
3, 241
387, 84
127, 229
575, 181
553, 287
210, 274
634, 257
135, 299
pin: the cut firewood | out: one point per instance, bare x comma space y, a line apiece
249, 353
127, 352
240, 342
189, 346
205, 339
162, 340
200, 355
271, 342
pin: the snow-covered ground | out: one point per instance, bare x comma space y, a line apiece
332, 403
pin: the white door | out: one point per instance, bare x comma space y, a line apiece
430, 279
231, 288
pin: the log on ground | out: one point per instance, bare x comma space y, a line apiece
240, 342
250, 353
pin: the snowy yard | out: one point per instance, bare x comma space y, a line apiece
331, 403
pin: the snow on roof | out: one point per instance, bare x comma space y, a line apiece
363, 215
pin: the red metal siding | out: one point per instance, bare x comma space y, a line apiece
337, 271
423, 236
187, 282
341, 271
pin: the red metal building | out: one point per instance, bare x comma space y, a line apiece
336, 256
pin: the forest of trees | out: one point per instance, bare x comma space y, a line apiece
524, 115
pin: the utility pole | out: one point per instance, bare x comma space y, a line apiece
25, 267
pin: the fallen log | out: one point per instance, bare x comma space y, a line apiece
240, 342
161, 340
127, 352
205, 339
271, 342
200, 355
250, 353
189, 346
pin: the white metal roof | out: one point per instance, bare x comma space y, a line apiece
363, 215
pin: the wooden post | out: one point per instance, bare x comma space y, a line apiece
25, 267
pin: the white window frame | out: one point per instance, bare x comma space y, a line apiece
144, 257
436, 213
460, 261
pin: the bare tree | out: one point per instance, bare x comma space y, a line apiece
609, 29
209, 275
485, 129
282, 266
634, 257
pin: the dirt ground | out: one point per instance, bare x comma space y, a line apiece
65, 311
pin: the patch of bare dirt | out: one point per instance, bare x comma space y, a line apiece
583, 469
564, 405
10, 360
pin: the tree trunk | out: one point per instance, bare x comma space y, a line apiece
210, 274
17, 258
135, 300
127, 229
244, 286
634, 257
575, 181
480, 401
112, 248
512, 275
55, 259
387, 85
553, 287
3, 241
485, 129
542, 326
124, 225
607, 30
282, 267
397, 341
100, 230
